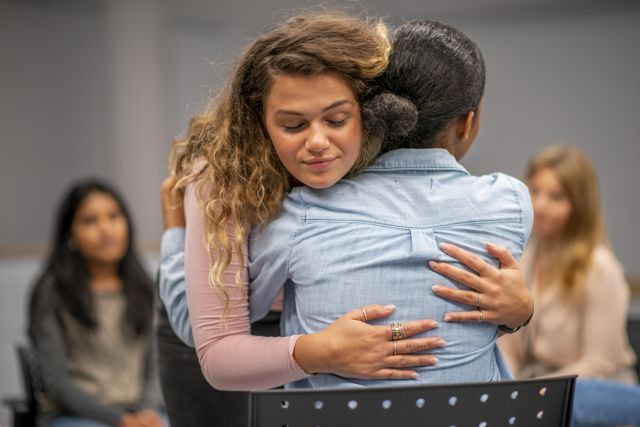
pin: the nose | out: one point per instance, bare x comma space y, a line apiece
317, 140
539, 203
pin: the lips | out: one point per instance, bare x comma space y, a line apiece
319, 163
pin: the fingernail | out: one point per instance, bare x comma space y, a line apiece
389, 307
436, 288
434, 324
433, 360
447, 317
445, 246
442, 343
433, 265
491, 245
414, 376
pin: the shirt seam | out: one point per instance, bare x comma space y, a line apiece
416, 227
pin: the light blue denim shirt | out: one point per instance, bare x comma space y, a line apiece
173, 293
368, 240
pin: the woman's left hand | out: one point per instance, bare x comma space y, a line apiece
499, 295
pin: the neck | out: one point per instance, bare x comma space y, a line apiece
104, 276
549, 244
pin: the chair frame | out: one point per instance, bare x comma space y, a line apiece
539, 402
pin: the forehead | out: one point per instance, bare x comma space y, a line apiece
301, 93
548, 177
96, 201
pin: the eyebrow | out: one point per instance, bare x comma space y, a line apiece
324, 110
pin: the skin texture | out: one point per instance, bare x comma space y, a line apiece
314, 125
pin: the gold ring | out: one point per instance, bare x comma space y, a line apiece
397, 333
395, 348
478, 302
484, 267
364, 313
481, 315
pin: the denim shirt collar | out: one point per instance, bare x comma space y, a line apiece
425, 159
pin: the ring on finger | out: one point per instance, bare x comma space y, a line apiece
397, 333
481, 315
478, 301
395, 348
484, 267
364, 313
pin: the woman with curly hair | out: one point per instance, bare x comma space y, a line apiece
294, 112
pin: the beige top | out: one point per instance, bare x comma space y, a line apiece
587, 337
104, 362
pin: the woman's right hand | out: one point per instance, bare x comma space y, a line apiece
352, 348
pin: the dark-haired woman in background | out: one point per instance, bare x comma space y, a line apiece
90, 317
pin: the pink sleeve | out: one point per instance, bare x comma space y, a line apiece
230, 357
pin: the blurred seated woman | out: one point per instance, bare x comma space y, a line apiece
581, 294
90, 317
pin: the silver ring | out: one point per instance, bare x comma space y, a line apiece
364, 313
481, 315
478, 302
395, 348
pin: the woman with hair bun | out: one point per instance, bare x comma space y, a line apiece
369, 237
308, 113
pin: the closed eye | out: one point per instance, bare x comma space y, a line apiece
337, 123
293, 129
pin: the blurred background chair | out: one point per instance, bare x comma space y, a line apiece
25, 410
633, 330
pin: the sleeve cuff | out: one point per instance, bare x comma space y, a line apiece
294, 365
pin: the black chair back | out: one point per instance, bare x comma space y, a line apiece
540, 403
633, 329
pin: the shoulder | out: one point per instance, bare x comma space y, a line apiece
506, 193
605, 276
502, 182
605, 263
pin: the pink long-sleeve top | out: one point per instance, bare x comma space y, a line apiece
230, 357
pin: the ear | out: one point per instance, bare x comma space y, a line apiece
467, 125
470, 123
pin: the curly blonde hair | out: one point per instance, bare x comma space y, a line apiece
243, 181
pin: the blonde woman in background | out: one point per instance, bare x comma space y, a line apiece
581, 294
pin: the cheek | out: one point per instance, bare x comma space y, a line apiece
83, 237
123, 232
564, 213
354, 139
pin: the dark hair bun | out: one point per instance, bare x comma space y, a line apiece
388, 116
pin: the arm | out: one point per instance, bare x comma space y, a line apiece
226, 350
171, 275
49, 344
233, 359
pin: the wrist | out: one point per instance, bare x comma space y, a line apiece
512, 329
310, 352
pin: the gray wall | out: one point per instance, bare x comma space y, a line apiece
100, 88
